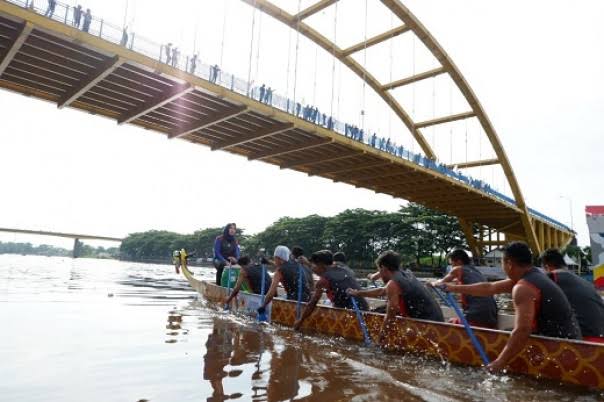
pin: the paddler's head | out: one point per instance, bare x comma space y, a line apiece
552, 259
388, 263
320, 261
459, 258
517, 260
243, 261
281, 255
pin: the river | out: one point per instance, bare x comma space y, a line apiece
103, 330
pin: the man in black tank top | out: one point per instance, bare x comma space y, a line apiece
479, 311
287, 273
583, 297
541, 307
251, 276
405, 294
334, 280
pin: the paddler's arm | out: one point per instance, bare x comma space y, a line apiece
453, 275
373, 292
272, 291
310, 307
242, 276
304, 261
392, 295
482, 288
523, 297
374, 276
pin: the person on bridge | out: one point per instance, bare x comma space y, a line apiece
87, 20
175, 56
287, 274
541, 307
214, 71
77, 16
50, 10
249, 279
193, 65
168, 49
335, 280
124, 40
582, 295
405, 295
479, 311
226, 250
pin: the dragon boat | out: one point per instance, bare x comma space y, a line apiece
568, 361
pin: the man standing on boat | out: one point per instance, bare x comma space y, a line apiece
226, 250
405, 295
334, 281
250, 279
287, 274
541, 307
479, 311
582, 296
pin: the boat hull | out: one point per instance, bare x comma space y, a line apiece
569, 361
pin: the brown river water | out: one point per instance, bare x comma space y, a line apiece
101, 330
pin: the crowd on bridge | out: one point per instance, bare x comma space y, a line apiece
171, 55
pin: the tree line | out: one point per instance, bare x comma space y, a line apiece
420, 235
84, 250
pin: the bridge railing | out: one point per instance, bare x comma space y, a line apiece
190, 63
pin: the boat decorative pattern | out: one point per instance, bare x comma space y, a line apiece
580, 363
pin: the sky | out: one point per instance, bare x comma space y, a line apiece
537, 68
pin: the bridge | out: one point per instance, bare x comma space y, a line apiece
76, 237
95, 71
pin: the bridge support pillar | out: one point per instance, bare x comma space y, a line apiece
77, 245
472, 241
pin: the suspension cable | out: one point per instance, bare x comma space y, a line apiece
224, 20
333, 57
297, 51
390, 74
466, 140
289, 54
125, 15
258, 45
450, 126
434, 112
413, 88
249, 71
314, 86
364, 71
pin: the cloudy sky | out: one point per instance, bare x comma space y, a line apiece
537, 67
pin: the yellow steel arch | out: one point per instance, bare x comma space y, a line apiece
411, 23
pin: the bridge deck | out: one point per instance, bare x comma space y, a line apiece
59, 63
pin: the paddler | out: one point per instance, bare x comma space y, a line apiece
582, 295
334, 280
541, 307
249, 279
287, 274
479, 311
406, 296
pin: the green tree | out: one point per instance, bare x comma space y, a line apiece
305, 232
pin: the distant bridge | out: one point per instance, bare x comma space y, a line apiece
49, 59
76, 237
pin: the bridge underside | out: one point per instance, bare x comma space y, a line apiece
60, 64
